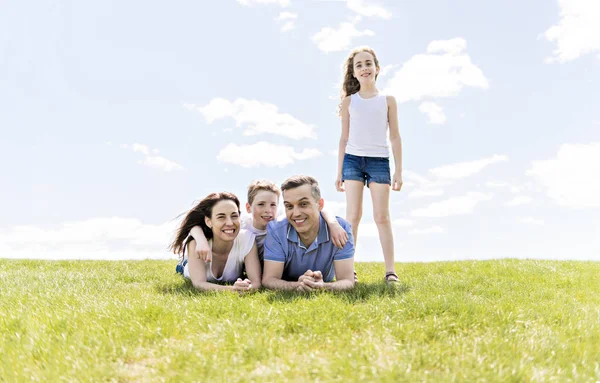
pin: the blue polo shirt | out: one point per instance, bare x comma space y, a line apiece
284, 245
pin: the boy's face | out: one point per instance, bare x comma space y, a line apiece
263, 209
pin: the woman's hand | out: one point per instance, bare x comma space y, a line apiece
203, 251
242, 285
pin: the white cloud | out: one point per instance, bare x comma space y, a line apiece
571, 178
288, 26
452, 206
286, 16
403, 222
140, 148
496, 185
383, 71
97, 238
434, 112
414, 176
161, 163
368, 229
248, 3
466, 169
425, 193
578, 31
156, 162
289, 19
430, 230
519, 200
264, 154
258, 117
336, 207
329, 39
442, 72
368, 9
531, 221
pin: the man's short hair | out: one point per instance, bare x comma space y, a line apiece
257, 186
297, 181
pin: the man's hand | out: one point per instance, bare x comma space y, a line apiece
397, 181
203, 251
310, 281
338, 235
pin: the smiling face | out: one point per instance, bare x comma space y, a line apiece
263, 208
224, 220
302, 210
365, 69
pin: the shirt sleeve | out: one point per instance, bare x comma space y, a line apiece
246, 222
273, 248
348, 251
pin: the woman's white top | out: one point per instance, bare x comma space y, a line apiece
242, 244
368, 126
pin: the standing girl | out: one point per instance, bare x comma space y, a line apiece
367, 116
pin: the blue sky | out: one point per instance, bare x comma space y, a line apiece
116, 116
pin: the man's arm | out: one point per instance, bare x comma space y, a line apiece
272, 276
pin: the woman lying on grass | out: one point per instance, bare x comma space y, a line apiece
232, 248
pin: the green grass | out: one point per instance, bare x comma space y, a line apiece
471, 321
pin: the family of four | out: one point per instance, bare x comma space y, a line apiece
295, 252
309, 249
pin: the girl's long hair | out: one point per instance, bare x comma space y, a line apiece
350, 84
195, 217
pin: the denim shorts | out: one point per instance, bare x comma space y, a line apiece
366, 169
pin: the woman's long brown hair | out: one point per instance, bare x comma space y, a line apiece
195, 217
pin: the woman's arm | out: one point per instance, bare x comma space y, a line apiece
197, 269
253, 268
396, 142
345, 114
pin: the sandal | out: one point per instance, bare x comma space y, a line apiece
392, 278
355, 277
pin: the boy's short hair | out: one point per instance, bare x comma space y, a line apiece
260, 185
297, 181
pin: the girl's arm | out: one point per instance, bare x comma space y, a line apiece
396, 142
253, 268
202, 249
197, 269
345, 114
338, 234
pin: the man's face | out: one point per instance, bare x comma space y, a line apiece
302, 210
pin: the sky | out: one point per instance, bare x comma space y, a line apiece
117, 117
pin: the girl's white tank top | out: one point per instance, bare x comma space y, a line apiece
368, 126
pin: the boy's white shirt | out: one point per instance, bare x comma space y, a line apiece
246, 223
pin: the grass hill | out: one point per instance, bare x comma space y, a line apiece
503, 320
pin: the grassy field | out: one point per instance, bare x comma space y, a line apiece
504, 320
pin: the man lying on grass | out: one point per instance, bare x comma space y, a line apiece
299, 253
